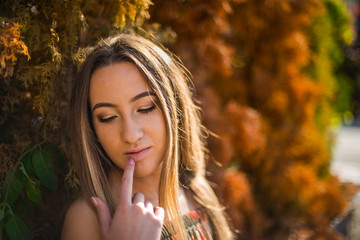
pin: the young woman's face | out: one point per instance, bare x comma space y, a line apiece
127, 120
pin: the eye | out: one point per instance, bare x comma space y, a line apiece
108, 119
146, 110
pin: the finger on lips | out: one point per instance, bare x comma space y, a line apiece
138, 198
128, 201
127, 182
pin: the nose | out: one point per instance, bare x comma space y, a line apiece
132, 130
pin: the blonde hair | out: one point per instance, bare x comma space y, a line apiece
184, 162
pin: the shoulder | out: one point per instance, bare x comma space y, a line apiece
80, 222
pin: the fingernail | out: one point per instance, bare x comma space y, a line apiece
94, 201
131, 161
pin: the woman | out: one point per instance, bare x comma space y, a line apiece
137, 148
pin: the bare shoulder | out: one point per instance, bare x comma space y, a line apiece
80, 222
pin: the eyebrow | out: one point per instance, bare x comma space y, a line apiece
137, 97
141, 95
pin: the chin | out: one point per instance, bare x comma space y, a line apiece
142, 171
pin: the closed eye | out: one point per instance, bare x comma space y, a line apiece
146, 110
109, 119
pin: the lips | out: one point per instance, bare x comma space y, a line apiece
137, 154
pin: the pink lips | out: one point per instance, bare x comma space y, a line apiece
137, 154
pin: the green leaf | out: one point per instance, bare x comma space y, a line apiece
56, 154
27, 162
15, 228
33, 192
45, 169
22, 169
2, 214
12, 187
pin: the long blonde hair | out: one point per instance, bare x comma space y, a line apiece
184, 162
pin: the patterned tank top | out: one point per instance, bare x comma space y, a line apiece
197, 227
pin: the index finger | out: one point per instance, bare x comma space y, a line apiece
127, 183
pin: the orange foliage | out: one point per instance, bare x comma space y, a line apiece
236, 190
327, 202
200, 44
11, 46
241, 207
246, 58
221, 147
299, 184
245, 129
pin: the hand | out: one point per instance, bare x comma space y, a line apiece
133, 218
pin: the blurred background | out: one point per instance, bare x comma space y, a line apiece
278, 82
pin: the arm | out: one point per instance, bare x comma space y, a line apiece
80, 222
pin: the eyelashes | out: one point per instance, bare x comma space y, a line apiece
105, 120
147, 110
141, 110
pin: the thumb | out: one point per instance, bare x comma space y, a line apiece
103, 214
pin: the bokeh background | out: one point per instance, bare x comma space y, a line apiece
276, 80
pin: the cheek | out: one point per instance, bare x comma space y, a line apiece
160, 131
113, 149
108, 140
100, 135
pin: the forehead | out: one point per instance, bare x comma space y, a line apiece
120, 80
